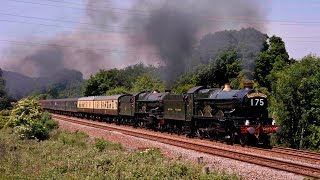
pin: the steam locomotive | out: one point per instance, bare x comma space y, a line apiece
233, 116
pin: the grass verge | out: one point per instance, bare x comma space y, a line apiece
75, 156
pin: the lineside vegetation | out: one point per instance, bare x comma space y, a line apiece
69, 155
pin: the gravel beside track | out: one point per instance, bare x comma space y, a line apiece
246, 170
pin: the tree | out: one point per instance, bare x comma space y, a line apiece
129, 74
117, 90
2, 85
100, 83
147, 82
296, 103
185, 82
106, 80
4, 98
273, 59
226, 68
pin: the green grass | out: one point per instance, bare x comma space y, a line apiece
75, 156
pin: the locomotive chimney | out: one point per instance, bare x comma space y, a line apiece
227, 87
248, 84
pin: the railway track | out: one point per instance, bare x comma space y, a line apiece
311, 156
300, 169
308, 157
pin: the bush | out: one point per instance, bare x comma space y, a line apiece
5, 113
3, 121
102, 144
29, 121
4, 117
75, 139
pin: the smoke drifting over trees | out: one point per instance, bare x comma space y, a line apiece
173, 27
154, 32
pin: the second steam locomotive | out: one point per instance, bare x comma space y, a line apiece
234, 116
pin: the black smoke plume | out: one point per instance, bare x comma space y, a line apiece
115, 35
175, 38
47, 61
173, 27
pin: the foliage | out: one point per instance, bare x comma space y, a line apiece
273, 59
102, 144
129, 74
29, 120
73, 89
247, 42
74, 139
296, 103
314, 137
106, 80
226, 68
238, 82
185, 82
117, 90
5, 100
4, 117
60, 84
2, 85
3, 121
53, 159
5, 113
147, 82
100, 83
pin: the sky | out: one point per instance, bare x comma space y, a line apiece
26, 22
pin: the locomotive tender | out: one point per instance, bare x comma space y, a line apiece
235, 116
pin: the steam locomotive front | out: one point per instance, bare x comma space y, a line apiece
257, 123
246, 110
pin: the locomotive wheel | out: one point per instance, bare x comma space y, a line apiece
229, 139
249, 140
266, 144
265, 141
244, 141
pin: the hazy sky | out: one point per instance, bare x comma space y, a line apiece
296, 21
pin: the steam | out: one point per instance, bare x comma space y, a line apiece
174, 37
103, 17
48, 61
173, 27
152, 32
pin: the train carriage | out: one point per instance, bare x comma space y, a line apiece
58, 104
71, 104
45, 104
109, 105
85, 104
